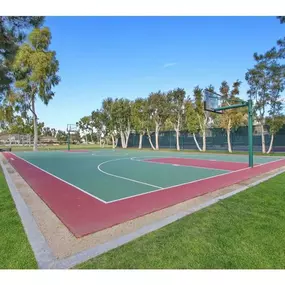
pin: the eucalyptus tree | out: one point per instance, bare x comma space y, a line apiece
266, 83
259, 82
121, 113
53, 132
35, 69
158, 112
275, 119
110, 123
140, 118
231, 118
61, 136
47, 131
84, 124
203, 116
13, 31
176, 108
191, 120
99, 123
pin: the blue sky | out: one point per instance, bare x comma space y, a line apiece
132, 56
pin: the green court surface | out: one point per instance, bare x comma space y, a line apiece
112, 175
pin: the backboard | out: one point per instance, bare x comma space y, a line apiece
72, 128
212, 101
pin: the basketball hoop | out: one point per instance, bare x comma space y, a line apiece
72, 128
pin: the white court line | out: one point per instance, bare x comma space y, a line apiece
61, 179
122, 177
227, 173
109, 155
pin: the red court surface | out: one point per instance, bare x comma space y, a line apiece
213, 164
83, 214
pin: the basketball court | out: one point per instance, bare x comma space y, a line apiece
90, 191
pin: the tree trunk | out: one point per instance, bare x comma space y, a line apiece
195, 140
123, 139
262, 139
177, 140
149, 139
127, 135
116, 142
35, 146
229, 140
271, 144
204, 140
156, 138
140, 141
113, 141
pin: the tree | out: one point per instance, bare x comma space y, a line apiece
109, 119
266, 81
75, 137
275, 120
6, 116
140, 117
202, 115
53, 132
282, 19
19, 126
35, 69
47, 132
84, 125
281, 42
175, 100
231, 118
98, 121
12, 34
61, 136
192, 120
24, 126
158, 112
258, 81
121, 113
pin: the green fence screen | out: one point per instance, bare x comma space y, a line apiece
216, 139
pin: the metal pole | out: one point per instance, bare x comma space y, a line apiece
68, 141
250, 134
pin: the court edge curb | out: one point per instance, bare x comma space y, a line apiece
43, 254
85, 255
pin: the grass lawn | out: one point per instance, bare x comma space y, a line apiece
15, 250
244, 231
